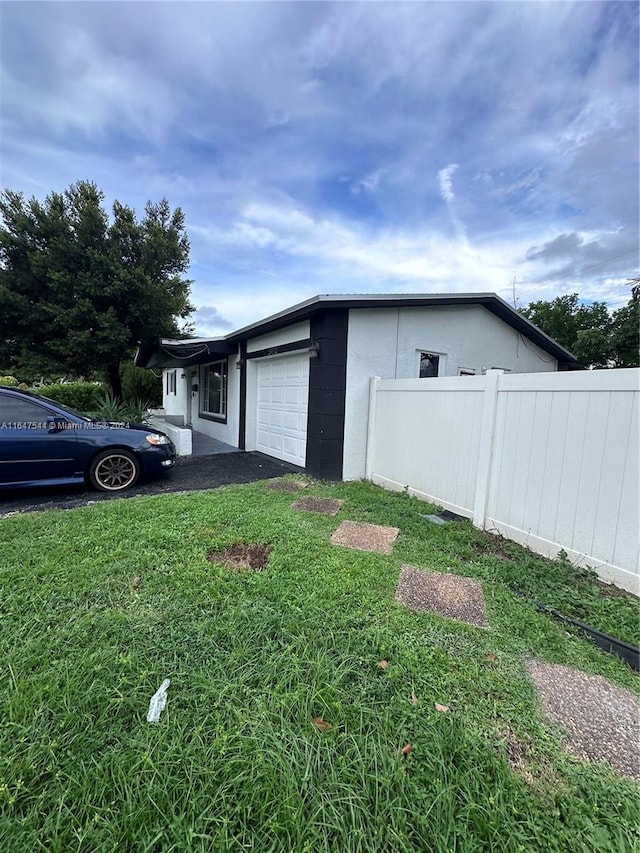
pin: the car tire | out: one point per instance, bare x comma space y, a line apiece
114, 470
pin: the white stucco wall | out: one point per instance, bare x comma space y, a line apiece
251, 425
387, 342
227, 432
175, 404
295, 332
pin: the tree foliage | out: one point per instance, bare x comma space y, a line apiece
79, 290
596, 336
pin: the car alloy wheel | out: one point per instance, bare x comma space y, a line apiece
114, 470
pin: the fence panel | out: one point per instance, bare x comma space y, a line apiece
559, 462
429, 442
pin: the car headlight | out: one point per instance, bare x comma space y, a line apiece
156, 439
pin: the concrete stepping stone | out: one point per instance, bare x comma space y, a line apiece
454, 596
325, 506
289, 486
365, 537
602, 720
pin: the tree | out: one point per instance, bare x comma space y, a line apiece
582, 329
625, 332
595, 336
78, 291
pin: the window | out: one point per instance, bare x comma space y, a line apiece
171, 382
213, 396
15, 410
428, 365
466, 371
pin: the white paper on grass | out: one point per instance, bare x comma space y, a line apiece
158, 701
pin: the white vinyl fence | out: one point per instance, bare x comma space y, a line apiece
549, 460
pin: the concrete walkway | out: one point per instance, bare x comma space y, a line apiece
204, 445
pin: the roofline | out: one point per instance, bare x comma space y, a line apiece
304, 310
491, 301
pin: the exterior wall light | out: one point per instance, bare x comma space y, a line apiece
314, 349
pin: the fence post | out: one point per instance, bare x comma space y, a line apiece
485, 447
371, 427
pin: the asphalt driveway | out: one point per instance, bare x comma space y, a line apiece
190, 473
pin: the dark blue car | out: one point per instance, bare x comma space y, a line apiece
43, 443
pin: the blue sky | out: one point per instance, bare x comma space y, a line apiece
343, 147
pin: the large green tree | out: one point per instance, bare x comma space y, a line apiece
80, 289
596, 336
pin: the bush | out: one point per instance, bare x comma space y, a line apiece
140, 384
112, 409
9, 381
83, 396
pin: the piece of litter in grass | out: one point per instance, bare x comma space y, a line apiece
384, 664
435, 519
442, 708
321, 724
158, 701
406, 749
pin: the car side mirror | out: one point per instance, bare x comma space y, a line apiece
55, 423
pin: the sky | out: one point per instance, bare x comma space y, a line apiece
368, 147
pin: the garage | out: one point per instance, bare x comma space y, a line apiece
282, 401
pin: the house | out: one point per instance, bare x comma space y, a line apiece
296, 385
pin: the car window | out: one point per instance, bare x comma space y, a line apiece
15, 410
66, 409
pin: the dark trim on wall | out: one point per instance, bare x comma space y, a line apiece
281, 349
242, 417
327, 390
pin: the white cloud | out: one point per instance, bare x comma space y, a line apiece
446, 185
445, 179
338, 257
317, 147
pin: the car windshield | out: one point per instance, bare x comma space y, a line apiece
64, 408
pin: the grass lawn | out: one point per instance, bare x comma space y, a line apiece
100, 604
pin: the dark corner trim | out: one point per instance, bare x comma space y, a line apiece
327, 391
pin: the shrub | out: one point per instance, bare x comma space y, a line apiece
112, 409
83, 396
109, 408
140, 384
137, 410
9, 381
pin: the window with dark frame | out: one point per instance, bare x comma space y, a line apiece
429, 364
213, 399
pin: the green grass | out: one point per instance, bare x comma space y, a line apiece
236, 762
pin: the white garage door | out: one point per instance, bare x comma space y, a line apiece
283, 393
